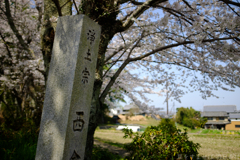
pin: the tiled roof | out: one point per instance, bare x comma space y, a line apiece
234, 115
127, 107
214, 114
211, 122
227, 108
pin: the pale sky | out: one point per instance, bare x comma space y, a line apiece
195, 100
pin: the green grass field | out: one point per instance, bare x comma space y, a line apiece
214, 143
146, 123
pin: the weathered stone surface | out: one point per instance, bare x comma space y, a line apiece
64, 123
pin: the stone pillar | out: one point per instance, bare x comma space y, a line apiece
64, 123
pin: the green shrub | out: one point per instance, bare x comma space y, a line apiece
18, 145
164, 141
188, 122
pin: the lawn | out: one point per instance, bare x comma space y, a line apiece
212, 145
215, 145
111, 136
145, 123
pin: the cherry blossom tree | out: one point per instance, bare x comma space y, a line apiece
143, 44
21, 76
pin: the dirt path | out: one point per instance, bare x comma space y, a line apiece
122, 152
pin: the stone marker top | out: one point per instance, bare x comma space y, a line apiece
64, 123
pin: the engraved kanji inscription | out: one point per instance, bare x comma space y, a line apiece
88, 55
79, 122
85, 76
91, 35
75, 156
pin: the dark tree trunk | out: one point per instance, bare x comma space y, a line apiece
109, 26
48, 28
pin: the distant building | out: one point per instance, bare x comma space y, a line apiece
132, 110
127, 110
222, 117
235, 121
225, 108
163, 114
217, 119
114, 111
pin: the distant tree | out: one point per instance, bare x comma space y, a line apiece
189, 117
133, 111
202, 121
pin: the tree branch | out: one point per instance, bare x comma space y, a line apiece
146, 5
210, 70
14, 29
232, 9
5, 43
171, 11
113, 64
76, 6
114, 53
121, 47
187, 4
231, 2
176, 45
59, 9
113, 79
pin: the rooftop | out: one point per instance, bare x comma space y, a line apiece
211, 122
226, 108
234, 115
214, 114
128, 107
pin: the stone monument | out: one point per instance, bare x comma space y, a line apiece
64, 123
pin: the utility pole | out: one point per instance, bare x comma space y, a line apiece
167, 95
